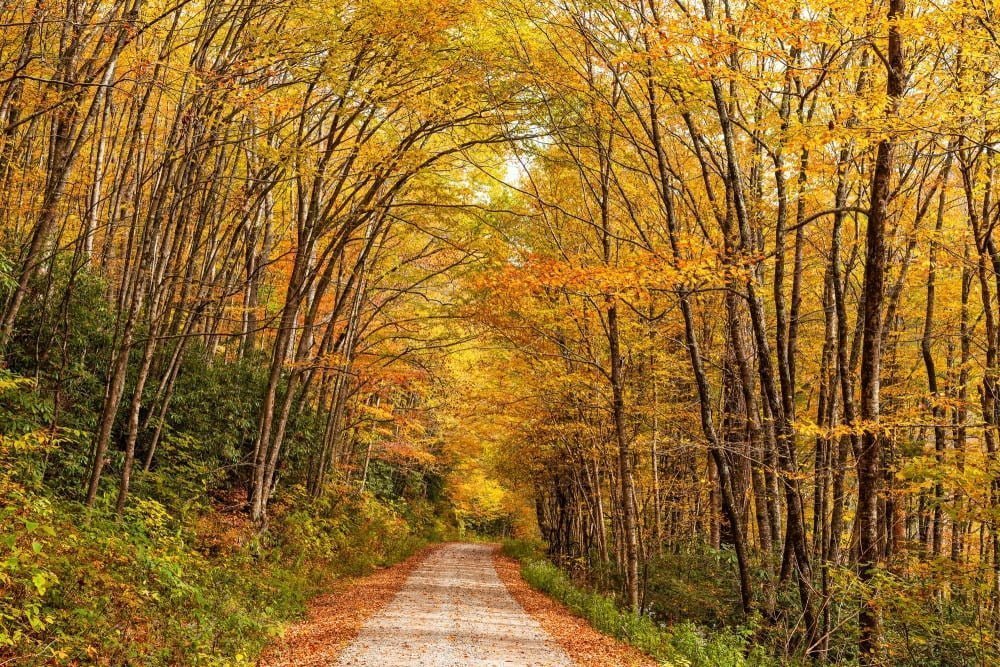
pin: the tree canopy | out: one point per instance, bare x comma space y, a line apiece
706, 295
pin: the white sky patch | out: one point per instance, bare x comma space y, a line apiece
514, 173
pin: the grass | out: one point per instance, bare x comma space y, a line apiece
682, 644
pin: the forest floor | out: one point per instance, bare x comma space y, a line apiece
456, 604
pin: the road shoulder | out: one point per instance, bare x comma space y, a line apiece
336, 618
585, 645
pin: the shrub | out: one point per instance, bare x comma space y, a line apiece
174, 581
524, 550
150, 589
679, 644
698, 584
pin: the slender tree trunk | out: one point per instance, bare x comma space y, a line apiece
873, 293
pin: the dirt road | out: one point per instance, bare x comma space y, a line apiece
453, 611
449, 605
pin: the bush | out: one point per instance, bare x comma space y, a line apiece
174, 581
150, 589
698, 584
679, 644
182, 578
524, 550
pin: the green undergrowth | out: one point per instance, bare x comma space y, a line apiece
182, 577
678, 644
161, 587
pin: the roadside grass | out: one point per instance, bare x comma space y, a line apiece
681, 644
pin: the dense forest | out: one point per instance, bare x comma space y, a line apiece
704, 295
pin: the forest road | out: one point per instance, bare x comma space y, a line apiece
454, 611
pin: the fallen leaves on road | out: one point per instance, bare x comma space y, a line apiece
336, 617
585, 645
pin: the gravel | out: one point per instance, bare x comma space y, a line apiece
453, 610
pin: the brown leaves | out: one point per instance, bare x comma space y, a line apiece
584, 644
336, 618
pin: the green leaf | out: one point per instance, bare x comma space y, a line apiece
40, 581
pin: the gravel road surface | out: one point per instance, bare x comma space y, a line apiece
454, 611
